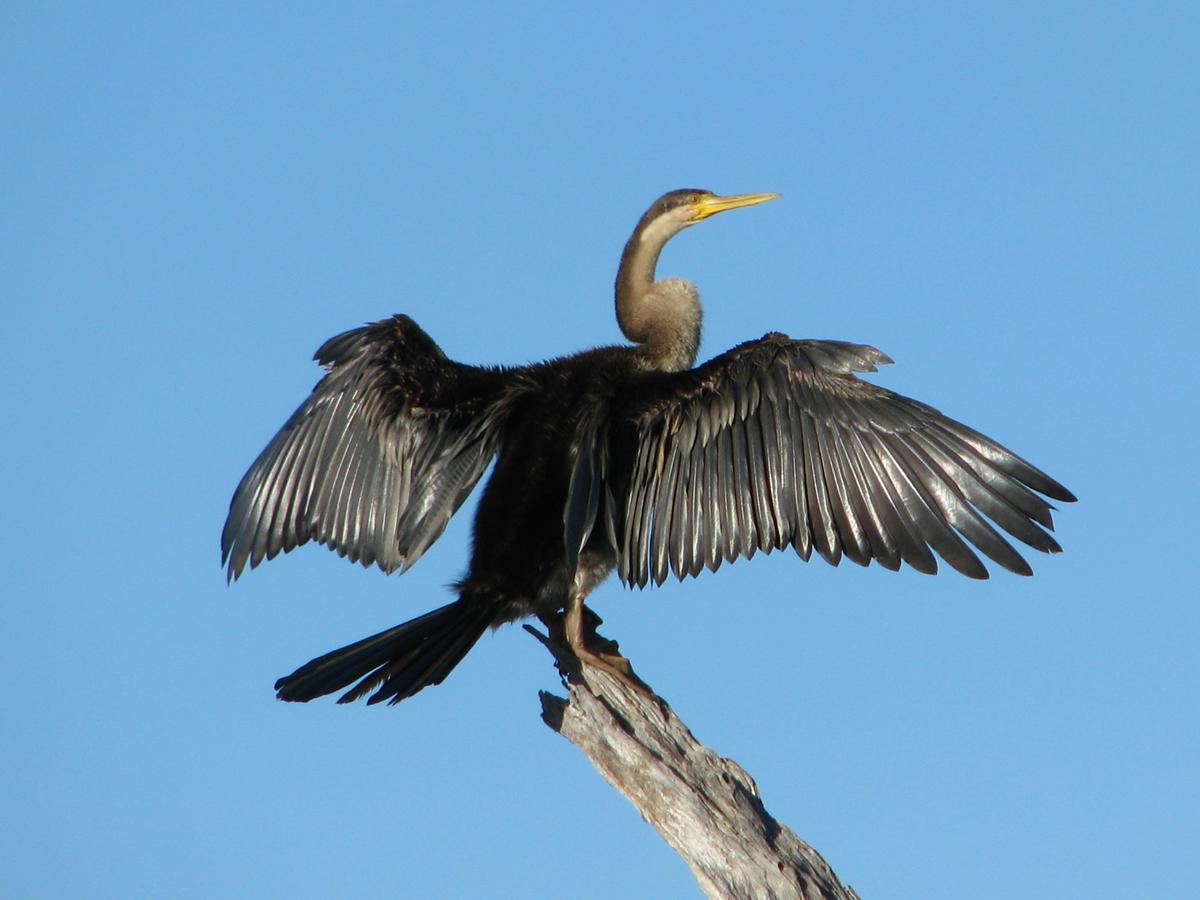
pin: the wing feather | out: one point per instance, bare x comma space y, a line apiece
778, 442
378, 458
875, 496
820, 506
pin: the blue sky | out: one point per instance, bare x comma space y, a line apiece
1002, 197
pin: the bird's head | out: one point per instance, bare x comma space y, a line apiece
676, 210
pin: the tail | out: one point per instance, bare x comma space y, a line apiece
395, 663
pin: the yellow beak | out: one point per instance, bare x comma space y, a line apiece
711, 205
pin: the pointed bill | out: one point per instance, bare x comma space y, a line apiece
711, 205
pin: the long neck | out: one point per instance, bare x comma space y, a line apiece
663, 316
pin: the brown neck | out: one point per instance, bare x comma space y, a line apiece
662, 316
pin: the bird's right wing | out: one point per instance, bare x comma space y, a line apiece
375, 462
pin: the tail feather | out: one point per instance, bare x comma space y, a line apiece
396, 663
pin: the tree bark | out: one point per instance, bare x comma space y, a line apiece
706, 807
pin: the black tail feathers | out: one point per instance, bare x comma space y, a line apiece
395, 663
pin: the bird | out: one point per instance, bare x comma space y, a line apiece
627, 458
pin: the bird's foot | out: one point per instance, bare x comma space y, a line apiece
602, 654
574, 630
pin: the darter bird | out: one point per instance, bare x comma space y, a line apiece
627, 457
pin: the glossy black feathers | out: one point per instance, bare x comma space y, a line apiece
378, 458
394, 664
777, 443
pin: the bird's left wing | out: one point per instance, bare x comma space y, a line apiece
777, 442
378, 458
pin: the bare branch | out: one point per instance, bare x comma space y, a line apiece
706, 807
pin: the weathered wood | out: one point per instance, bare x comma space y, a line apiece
706, 807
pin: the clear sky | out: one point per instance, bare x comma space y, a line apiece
1003, 197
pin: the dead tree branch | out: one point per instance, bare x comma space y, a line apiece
706, 807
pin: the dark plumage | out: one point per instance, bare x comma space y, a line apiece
619, 457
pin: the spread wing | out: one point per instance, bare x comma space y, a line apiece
378, 458
777, 442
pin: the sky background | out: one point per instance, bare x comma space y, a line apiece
1003, 197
